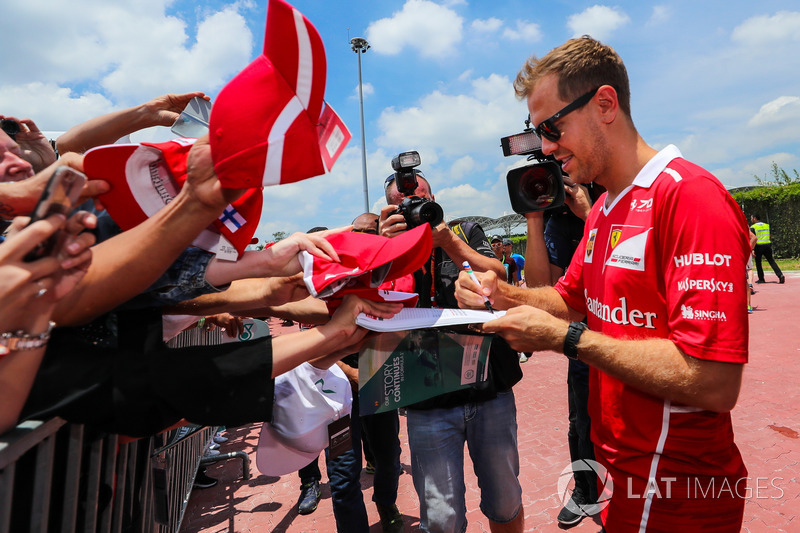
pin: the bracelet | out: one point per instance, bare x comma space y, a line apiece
19, 340
201, 323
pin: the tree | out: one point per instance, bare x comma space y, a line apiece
278, 235
781, 177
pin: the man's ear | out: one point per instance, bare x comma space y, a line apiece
608, 101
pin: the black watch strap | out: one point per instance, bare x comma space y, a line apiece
574, 333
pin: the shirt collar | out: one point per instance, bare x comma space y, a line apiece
656, 166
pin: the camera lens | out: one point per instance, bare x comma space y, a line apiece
427, 212
10, 126
537, 186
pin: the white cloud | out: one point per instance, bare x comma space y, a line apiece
764, 30
660, 15
598, 21
744, 174
452, 125
785, 109
462, 166
90, 56
52, 107
525, 31
431, 29
486, 25
367, 88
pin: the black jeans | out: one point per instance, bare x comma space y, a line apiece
765, 250
344, 475
578, 436
380, 434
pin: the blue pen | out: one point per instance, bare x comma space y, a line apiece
474, 278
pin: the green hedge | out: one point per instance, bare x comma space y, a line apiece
778, 206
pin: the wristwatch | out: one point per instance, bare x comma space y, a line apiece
19, 340
574, 333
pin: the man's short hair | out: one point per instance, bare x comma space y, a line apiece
581, 65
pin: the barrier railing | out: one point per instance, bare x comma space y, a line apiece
56, 476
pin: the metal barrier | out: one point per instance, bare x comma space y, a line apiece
64, 477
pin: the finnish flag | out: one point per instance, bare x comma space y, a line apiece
232, 219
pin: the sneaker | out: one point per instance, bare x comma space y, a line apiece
309, 498
370, 468
782, 280
211, 453
203, 481
760, 281
522, 357
391, 519
750, 309
572, 513
213, 446
219, 439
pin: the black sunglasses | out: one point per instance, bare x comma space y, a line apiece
390, 177
547, 128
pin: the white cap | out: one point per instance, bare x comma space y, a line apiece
307, 400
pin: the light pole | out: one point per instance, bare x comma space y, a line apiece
360, 46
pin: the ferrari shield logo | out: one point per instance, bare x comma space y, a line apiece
615, 235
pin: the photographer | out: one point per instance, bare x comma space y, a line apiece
549, 250
483, 418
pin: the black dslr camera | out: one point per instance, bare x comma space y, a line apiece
535, 183
415, 209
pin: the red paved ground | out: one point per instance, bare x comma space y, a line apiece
766, 422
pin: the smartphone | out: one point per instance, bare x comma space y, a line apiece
193, 121
59, 196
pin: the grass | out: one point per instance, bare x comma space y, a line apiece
792, 263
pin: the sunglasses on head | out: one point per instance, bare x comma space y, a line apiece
391, 177
547, 129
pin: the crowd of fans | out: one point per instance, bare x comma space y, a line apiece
83, 327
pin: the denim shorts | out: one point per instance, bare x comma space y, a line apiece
436, 438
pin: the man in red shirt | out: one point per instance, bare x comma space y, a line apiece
659, 277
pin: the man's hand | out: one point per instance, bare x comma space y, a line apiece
577, 198
229, 324
343, 322
164, 110
528, 329
441, 235
281, 259
36, 148
391, 225
23, 195
470, 296
201, 181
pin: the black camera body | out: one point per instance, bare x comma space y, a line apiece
535, 183
415, 209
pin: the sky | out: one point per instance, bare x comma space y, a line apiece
719, 79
